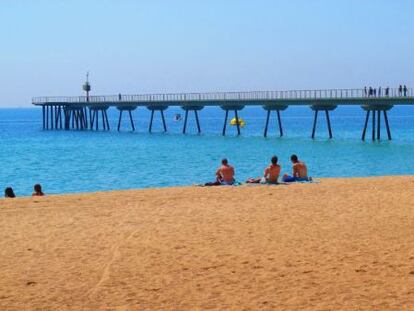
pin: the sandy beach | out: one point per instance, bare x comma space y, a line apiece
341, 244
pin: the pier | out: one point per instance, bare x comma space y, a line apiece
83, 112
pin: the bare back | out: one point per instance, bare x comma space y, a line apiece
300, 170
272, 172
225, 172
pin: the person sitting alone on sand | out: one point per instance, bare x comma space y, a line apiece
224, 175
300, 171
9, 193
271, 174
37, 191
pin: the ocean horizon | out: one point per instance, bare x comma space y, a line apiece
86, 161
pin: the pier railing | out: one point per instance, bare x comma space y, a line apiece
223, 96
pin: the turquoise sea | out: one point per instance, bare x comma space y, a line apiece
83, 161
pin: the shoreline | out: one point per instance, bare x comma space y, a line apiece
315, 181
339, 244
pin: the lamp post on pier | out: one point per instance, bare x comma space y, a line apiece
87, 87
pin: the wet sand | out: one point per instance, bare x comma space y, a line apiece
341, 244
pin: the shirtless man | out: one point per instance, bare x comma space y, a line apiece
224, 175
300, 171
271, 174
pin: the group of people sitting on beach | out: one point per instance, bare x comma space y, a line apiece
37, 191
225, 173
225, 176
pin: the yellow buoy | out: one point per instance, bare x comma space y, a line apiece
234, 122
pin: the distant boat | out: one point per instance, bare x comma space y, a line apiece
177, 117
234, 122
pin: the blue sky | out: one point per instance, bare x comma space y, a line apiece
211, 45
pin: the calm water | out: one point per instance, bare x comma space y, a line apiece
76, 161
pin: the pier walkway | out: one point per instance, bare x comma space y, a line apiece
82, 112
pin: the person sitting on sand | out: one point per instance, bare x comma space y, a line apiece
300, 171
37, 191
224, 175
9, 193
271, 174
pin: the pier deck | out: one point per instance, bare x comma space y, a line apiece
75, 108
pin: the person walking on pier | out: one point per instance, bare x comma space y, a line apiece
379, 92
405, 91
370, 92
365, 91
400, 90
387, 91
119, 97
300, 171
374, 92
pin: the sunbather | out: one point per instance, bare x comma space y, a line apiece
300, 171
224, 175
270, 176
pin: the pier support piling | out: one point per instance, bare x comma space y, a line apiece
72, 116
91, 118
365, 124
373, 125
103, 120
267, 123
85, 114
60, 117
237, 122
269, 109
316, 109
152, 118
47, 117
132, 120
225, 122
105, 116
387, 125
56, 116
376, 120
235, 108
94, 118
379, 125
51, 117
329, 123
67, 118
161, 110
315, 119
279, 120
164, 125
185, 121
197, 121
129, 109
43, 114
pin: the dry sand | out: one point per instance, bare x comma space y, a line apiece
342, 244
